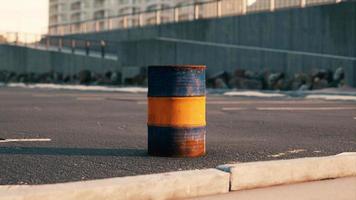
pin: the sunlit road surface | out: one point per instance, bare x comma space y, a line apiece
51, 136
340, 189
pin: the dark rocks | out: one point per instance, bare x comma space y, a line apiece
319, 83
115, 78
239, 79
138, 77
218, 80
2, 77
245, 83
219, 83
84, 77
276, 81
249, 80
338, 77
301, 81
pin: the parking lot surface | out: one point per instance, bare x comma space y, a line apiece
51, 136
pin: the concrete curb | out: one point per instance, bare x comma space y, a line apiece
194, 183
174, 185
270, 173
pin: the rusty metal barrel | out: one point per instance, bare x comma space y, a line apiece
176, 111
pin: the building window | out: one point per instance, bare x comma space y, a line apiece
75, 17
99, 3
123, 2
99, 14
75, 6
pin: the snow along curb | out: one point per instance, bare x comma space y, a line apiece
270, 173
79, 87
253, 94
173, 185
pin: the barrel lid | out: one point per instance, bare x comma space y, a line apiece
179, 66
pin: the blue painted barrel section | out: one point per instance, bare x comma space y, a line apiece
176, 141
176, 81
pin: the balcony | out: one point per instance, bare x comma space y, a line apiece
101, 14
76, 6
99, 3
75, 17
157, 12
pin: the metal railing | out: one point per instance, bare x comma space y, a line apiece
195, 11
21, 39
96, 48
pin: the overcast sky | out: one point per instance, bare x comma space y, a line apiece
24, 16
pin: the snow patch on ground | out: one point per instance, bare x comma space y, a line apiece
348, 95
81, 87
331, 97
253, 94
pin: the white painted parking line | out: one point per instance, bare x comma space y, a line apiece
233, 109
26, 140
332, 97
80, 87
253, 94
305, 108
216, 102
294, 151
90, 98
289, 108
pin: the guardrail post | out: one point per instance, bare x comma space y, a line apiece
110, 24
218, 8
85, 27
125, 22
102, 45
37, 41
272, 5
25, 38
303, 3
60, 30
87, 47
176, 14
73, 46
158, 17
244, 7
196, 11
47, 43
140, 20
96, 26
16, 38
60, 44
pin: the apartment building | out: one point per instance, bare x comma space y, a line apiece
75, 11
77, 16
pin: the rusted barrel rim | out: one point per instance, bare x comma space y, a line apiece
180, 66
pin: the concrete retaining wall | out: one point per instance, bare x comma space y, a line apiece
327, 29
322, 29
155, 52
27, 60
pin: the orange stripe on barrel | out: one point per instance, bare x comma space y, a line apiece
176, 111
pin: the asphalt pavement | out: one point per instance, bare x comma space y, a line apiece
92, 135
